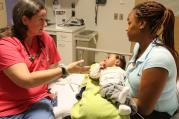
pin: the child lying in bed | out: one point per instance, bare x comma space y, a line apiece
111, 76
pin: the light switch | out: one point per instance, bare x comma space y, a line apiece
115, 16
121, 16
1, 6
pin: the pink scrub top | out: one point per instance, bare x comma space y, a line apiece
15, 99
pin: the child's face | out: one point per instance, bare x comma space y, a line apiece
110, 61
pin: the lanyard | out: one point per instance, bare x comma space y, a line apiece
40, 45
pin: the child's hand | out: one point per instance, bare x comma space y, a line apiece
102, 65
95, 71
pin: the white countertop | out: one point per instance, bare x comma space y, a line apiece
63, 28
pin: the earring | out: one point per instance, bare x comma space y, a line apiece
142, 29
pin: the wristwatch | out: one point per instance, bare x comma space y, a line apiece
65, 73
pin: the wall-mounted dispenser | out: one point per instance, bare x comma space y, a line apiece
101, 2
98, 3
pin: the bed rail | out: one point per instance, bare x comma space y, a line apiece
102, 50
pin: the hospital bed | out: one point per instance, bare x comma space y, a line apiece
66, 89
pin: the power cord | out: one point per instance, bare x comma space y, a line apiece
96, 14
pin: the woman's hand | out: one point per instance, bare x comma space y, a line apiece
75, 67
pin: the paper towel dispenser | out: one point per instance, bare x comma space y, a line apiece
102, 2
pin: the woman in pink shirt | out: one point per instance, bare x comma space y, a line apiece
29, 60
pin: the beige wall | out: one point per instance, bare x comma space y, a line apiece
111, 33
177, 33
3, 15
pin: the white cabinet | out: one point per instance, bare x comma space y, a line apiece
64, 38
66, 47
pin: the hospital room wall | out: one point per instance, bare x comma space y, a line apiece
177, 33
3, 14
111, 33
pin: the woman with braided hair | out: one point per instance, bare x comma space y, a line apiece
153, 69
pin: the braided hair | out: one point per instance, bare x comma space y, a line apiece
161, 22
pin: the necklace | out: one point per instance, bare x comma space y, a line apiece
40, 45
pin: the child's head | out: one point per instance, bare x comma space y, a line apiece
114, 60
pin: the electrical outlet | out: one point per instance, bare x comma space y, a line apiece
1, 6
115, 16
121, 16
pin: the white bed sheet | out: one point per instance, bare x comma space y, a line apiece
66, 89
